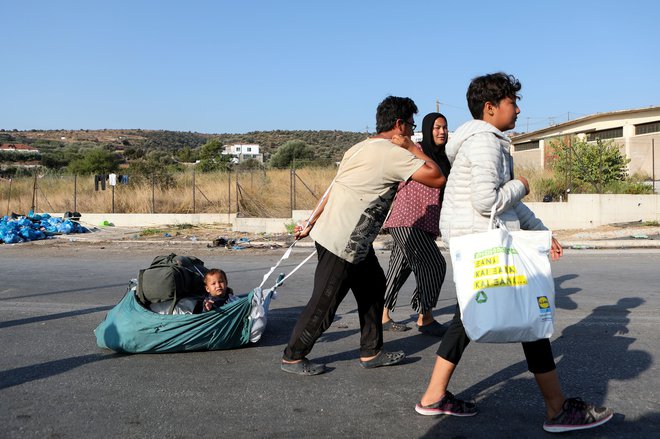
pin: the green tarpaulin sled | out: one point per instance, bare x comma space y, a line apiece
131, 328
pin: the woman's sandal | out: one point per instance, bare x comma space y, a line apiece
383, 358
434, 328
393, 326
304, 367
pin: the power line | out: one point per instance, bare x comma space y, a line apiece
451, 106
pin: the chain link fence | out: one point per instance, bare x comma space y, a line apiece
252, 193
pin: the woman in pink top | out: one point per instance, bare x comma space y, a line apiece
414, 226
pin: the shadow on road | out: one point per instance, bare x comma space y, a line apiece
77, 290
22, 375
62, 315
591, 352
563, 299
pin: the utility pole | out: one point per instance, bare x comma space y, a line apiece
437, 106
652, 163
75, 192
193, 189
153, 193
9, 196
34, 194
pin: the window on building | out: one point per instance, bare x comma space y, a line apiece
526, 146
645, 128
612, 133
249, 149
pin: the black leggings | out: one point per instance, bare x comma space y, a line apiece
537, 353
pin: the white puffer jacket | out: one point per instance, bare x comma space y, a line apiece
482, 177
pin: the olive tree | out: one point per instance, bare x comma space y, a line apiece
290, 151
596, 163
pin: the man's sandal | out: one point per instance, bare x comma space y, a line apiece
304, 367
383, 358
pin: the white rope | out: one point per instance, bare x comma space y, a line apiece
311, 215
297, 267
286, 255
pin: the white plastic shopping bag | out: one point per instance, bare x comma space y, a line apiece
504, 285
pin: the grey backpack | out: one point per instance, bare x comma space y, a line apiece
171, 277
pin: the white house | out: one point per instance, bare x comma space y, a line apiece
243, 152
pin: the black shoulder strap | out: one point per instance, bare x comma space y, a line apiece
180, 285
139, 290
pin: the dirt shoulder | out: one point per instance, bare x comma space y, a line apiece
221, 236
215, 237
181, 239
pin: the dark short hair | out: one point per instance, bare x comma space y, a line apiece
213, 272
491, 88
392, 109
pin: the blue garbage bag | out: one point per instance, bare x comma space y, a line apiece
11, 237
65, 227
31, 234
34, 227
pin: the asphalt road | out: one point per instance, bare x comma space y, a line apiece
56, 383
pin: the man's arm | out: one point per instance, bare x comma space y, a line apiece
303, 230
429, 174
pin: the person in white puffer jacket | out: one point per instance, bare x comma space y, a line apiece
482, 169
481, 180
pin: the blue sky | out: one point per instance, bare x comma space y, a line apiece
234, 67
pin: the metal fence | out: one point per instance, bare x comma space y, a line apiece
258, 193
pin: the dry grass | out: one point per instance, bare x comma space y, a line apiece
535, 176
257, 193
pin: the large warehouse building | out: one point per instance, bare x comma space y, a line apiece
637, 132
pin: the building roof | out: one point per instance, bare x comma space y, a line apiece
565, 127
17, 147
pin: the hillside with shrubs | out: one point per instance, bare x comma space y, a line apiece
58, 149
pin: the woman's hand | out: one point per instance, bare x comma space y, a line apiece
402, 141
556, 250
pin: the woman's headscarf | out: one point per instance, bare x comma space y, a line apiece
437, 153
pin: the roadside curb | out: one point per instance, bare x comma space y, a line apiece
611, 244
381, 244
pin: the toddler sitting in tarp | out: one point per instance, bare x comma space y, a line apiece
218, 293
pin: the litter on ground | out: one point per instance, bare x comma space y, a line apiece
19, 228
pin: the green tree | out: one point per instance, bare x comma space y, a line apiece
95, 161
290, 151
249, 164
186, 155
54, 160
211, 157
597, 164
134, 153
157, 165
